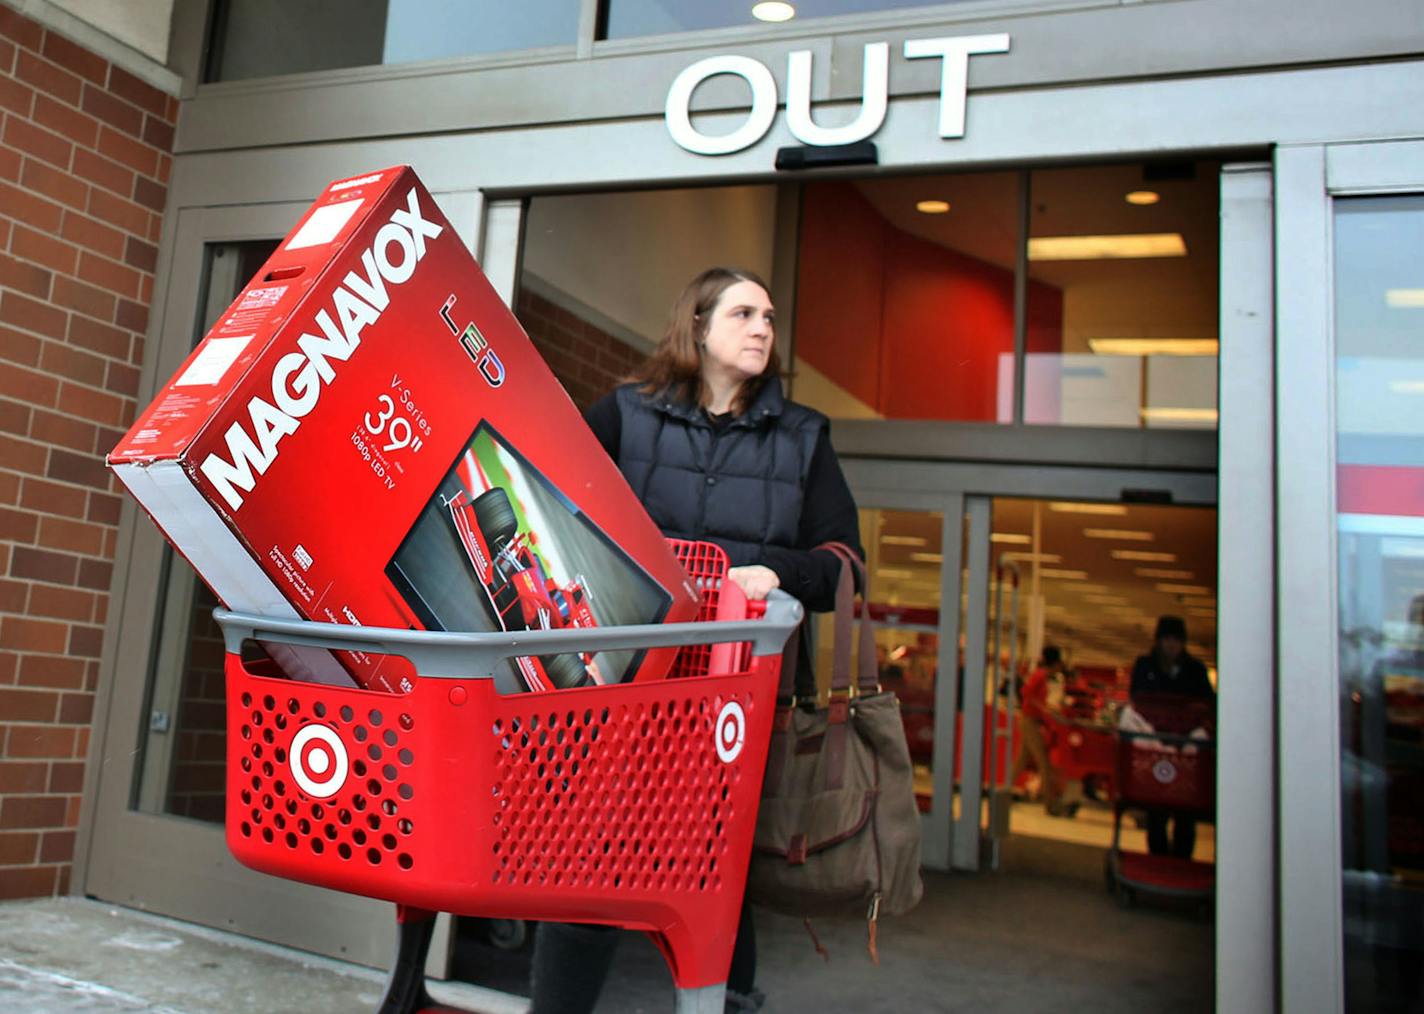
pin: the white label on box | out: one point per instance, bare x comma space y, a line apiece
324, 224
212, 362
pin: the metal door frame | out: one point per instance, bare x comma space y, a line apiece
175, 865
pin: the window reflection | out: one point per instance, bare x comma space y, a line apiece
629, 18
1380, 475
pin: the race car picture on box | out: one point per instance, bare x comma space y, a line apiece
498, 547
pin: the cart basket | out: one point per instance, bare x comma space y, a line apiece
628, 804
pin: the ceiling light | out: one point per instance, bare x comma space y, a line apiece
903, 540
773, 10
1144, 556
893, 572
927, 557
1179, 414
1115, 509
1106, 600
932, 207
1121, 534
1010, 538
1030, 557
1180, 575
1096, 248
1154, 346
1183, 589
1063, 575
1406, 386
1142, 197
1404, 299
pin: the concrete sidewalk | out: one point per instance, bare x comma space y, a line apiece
74, 956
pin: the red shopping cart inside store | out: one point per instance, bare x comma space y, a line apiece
628, 804
1169, 772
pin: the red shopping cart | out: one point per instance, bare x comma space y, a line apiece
628, 804
1160, 771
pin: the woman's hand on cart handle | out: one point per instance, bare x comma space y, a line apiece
756, 581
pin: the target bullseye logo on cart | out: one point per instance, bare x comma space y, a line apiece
318, 761
731, 731
1164, 771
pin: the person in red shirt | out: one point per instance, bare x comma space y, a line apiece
1042, 693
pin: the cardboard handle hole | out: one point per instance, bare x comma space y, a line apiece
279, 274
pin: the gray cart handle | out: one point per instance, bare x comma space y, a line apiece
447, 655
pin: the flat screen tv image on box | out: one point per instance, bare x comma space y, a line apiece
499, 548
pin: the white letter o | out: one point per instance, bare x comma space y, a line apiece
679, 119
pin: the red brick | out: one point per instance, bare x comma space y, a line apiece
123, 381
38, 142
84, 298
102, 171
18, 848
53, 671
113, 111
118, 211
131, 315
69, 363
14, 417
23, 456
33, 246
18, 347
17, 97
165, 164
50, 428
31, 315
14, 25
82, 469
155, 228
51, 498
140, 255
94, 574
58, 847
14, 595
7, 55
10, 170
145, 290
9, 493
21, 777
18, 526
76, 709
158, 133
46, 741
65, 120
61, 603
139, 92
24, 206
103, 508
97, 406
81, 749
76, 58
92, 234
28, 881
43, 565
108, 274
132, 153
83, 537
28, 705
149, 194
32, 811
24, 277
67, 776
19, 633
104, 339
54, 184
85, 642
46, 77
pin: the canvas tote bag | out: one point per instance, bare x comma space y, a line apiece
838, 832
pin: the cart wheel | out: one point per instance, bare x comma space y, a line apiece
1126, 896
496, 518
507, 934
565, 671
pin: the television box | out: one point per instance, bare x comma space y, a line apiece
367, 436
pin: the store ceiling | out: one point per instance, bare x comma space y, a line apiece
1100, 607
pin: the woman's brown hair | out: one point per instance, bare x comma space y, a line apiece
675, 367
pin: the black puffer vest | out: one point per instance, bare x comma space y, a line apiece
740, 485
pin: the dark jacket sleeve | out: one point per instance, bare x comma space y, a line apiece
828, 514
606, 422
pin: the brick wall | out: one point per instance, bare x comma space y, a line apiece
589, 362
84, 163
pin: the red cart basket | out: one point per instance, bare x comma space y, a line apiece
628, 804
1159, 771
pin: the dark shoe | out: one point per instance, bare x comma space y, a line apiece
737, 1003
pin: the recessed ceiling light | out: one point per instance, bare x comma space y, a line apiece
1030, 557
1183, 589
1404, 299
773, 10
903, 540
1179, 414
1093, 248
1010, 538
1171, 575
1142, 197
927, 557
1154, 346
1118, 533
1144, 556
932, 207
893, 572
1117, 510
1063, 575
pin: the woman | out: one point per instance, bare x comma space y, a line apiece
715, 452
